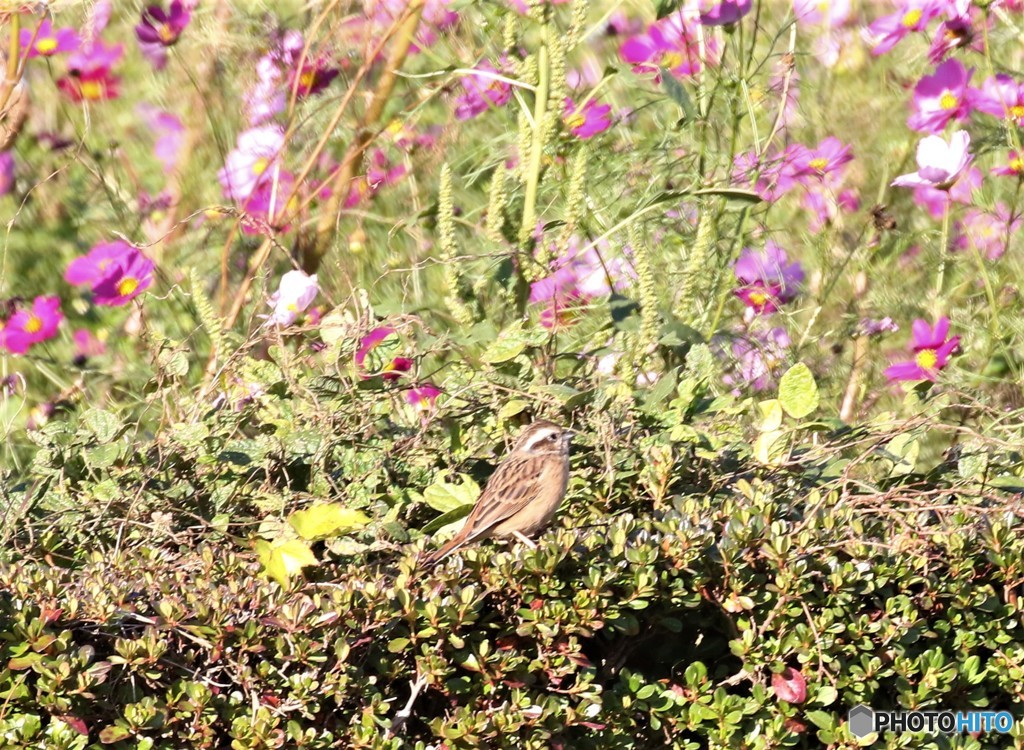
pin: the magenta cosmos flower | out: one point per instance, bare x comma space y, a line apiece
161, 29
773, 173
577, 277
125, 280
6, 172
769, 280
941, 98
48, 40
723, 12
931, 352
1014, 167
169, 133
369, 362
670, 43
422, 397
481, 91
89, 269
913, 15
939, 164
247, 164
586, 121
28, 327
90, 72
1001, 96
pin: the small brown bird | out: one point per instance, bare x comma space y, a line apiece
523, 493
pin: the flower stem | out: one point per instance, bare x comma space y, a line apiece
540, 107
943, 257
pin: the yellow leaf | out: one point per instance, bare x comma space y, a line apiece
326, 520
282, 560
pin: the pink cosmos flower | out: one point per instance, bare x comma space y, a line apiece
1014, 167
670, 43
773, 173
823, 163
941, 97
1001, 96
956, 32
481, 92
913, 15
422, 397
48, 40
294, 294
392, 369
832, 13
937, 201
90, 76
988, 233
28, 327
769, 280
380, 173
271, 204
939, 164
588, 121
436, 17
723, 12
521, 6
161, 29
757, 357
6, 172
126, 279
169, 133
578, 276
247, 164
89, 269
824, 204
931, 352
87, 346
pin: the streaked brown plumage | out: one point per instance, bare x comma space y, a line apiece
523, 493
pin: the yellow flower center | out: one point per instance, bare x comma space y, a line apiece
33, 324
758, 298
307, 79
260, 165
911, 17
926, 359
1017, 165
671, 60
46, 45
127, 285
823, 6
575, 120
819, 164
166, 33
1017, 111
92, 90
948, 101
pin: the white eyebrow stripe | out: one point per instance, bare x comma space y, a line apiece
541, 435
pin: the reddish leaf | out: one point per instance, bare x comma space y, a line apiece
790, 686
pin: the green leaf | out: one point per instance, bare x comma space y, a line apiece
903, 451
282, 560
509, 345
444, 496
102, 424
798, 392
447, 518
110, 735
326, 520
771, 415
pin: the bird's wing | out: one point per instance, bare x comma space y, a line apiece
510, 489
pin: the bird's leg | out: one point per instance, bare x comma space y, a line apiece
524, 539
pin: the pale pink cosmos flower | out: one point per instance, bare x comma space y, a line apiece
939, 164
831, 13
247, 164
295, 293
988, 232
